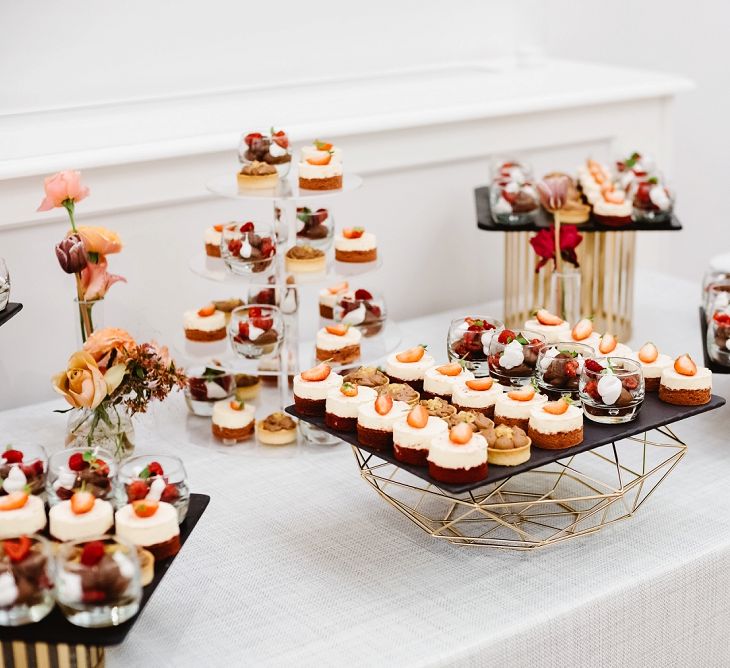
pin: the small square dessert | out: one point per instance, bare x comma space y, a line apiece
375, 421
513, 408
556, 425
354, 244
551, 326
320, 167
685, 384
412, 435
506, 446
439, 381
311, 388
342, 405
653, 364
213, 241
459, 456
476, 394
205, 325
409, 366
328, 298
338, 343
233, 421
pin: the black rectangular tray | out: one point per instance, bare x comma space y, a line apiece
653, 414
55, 628
13, 308
545, 220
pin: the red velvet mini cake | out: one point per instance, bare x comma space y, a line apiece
412, 435
311, 388
458, 457
342, 405
375, 421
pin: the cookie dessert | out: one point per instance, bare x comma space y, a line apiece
506, 446
409, 366
439, 381
338, 343
476, 394
305, 260
257, 176
513, 408
354, 244
328, 298
342, 405
233, 421
320, 167
413, 433
311, 388
458, 457
556, 425
551, 326
653, 364
23, 470
150, 524
82, 516
685, 384
276, 429
375, 421
212, 240
206, 324
20, 514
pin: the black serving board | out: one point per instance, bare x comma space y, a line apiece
545, 219
712, 366
653, 414
55, 628
13, 308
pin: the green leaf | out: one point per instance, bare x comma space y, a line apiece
145, 473
88, 456
521, 339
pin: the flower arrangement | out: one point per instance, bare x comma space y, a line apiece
543, 243
112, 372
84, 249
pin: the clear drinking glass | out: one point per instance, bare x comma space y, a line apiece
205, 386
270, 147
4, 285
711, 277
717, 297
559, 366
72, 468
248, 248
510, 169
718, 337
514, 203
612, 389
23, 467
315, 227
513, 356
256, 330
469, 338
653, 200
362, 309
565, 289
98, 581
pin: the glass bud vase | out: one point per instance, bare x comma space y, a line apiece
90, 318
565, 289
106, 426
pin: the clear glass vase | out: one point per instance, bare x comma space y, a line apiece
90, 317
106, 426
565, 289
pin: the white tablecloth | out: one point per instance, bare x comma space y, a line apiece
298, 562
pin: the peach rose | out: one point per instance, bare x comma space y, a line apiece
103, 341
82, 384
99, 239
114, 376
62, 187
96, 280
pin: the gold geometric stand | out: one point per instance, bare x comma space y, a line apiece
607, 280
567, 499
19, 654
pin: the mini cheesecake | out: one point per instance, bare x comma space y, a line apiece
608, 346
150, 524
21, 514
257, 175
212, 239
311, 388
206, 324
375, 421
320, 167
653, 364
552, 327
305, 260
439, 381
83, 516
343, 403
277, 429
356, 245
232, 421
459, 456
409, 367
685, 384
413, 434
479, 394
338, 343
328, 298
513, 408
556, 425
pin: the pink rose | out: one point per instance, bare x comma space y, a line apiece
63, 187
96, 280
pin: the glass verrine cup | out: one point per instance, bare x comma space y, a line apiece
711, 277
315, 227
248, 248
559, 366
513, 356
468, 339
717, 297
26, 580
98, 581
362, 309
161, 477
256, 331
509, 169
205, 385
68, 470
653, 200
718, 336
271, 147
611, 389
4, 285
514, 203
23, 467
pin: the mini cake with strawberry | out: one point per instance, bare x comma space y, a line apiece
338, 343
608, 345
232, 421
551, 326
556, 425
82, 516
150, 481
206, 324
653, 364
362, 310
212, 239
311, 388
513, 408
584, 334
459, 456
271, 149
23, 470
413, 433
506, 446
613, 207
21, 514
476, 394
151, 524
409, 366
343, 403
354, 244
320, 167
439, 381
328, 298
375, 421
305, 259
685, 384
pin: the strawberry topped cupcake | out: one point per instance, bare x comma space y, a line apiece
338, 343
320, 167
205, 324
551, 326
354, 244
477, 394
343, 403
458, 457
513, 408
413, 433
556, 425
439, 381
409, 366
685, 384
375, 421
311, 388
653, 364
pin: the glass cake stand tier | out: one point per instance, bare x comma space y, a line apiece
226, 185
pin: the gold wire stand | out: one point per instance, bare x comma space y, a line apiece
607, 280
19, 654
567, 499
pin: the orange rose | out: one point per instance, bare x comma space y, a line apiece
99, 240
103, 341
82, 384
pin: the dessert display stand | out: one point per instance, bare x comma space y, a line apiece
555, 496
13, 308
709, 363
606, 258
54, 641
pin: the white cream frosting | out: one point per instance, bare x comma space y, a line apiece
408, 370
212, 237
69, 587
366, 242
465, 396
512, 355
659, 198
448, 455
369, 418
309, 171
592, 340
146, 531
228, 418
212, 323
438, 383
654, 369
327, 341
29, 519
356, 316
672, 380
552, 333
502, 206
347, 407
316, 390
517, 410
16, 480
8, 589
327, 298
621, 350
604, 208
547, 423
418, 439
609, 387
65, 525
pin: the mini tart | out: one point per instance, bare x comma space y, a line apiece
455, 463
229, 424
436, 384
227, 306
204, 328
213, 242
653, 370
247, 386
438, 407
65, 525
680, 390
506, 456
341, 411
338, 349
411, 373
146, 566
258, 175
464, 398
516, 413
29, 519
400, 392
375, 430
310, 395
552, 333
362, 249
277, 429
158, 533
367, 376
410, 444
305, 260
555, 432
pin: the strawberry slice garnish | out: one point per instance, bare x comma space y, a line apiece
383, 404
461, 433
544, 317
137, 490
262, 323
607, 344
170, 494
249, 138
218, 228
236, 405
320, 159
82, 502
648, 353
247, 227
13, 501
362, 294
685, 365
453, 369
340, 287
506, 336
92, 553
145, 507
17, 550
556, 407
155, 468
12, 456
614, 196
583, 329
206, 311
525, 393
337, 330
593, 365
411, 355
480, 384
322, 145
348, 389
316, 373
280, 138
353, 232
417, 417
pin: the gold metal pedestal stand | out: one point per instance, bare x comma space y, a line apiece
19, 654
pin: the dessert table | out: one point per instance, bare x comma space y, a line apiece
297, 562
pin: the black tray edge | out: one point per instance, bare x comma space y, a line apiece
12, 309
